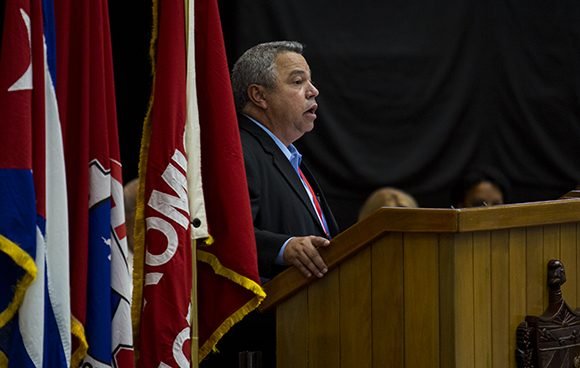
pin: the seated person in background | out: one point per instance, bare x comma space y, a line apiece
386, 197
481, 187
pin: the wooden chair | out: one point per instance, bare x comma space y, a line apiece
551, 340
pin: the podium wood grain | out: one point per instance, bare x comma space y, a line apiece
415, 288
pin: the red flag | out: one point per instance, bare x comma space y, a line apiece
21, 130
163, 263
228, 281
100, 282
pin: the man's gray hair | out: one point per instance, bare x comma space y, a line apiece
257, 66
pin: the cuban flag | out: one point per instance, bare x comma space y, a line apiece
34, 295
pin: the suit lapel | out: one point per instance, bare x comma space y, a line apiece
282, 164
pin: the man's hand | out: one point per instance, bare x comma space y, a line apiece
302, 252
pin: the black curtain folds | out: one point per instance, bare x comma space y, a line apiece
131, 29
414, 93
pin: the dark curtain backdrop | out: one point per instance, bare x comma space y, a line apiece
131, 33
414, 92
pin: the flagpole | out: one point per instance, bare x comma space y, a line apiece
194, 324
197, 209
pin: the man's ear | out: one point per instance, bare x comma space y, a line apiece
257, 94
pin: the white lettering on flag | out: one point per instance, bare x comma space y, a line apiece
167, 203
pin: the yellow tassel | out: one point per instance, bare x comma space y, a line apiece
237, 316
80, 353
24, 261
3, 360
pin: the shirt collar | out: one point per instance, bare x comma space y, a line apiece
290, 152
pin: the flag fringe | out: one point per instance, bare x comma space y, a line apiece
139, 229
139, 237
3, 360
78, 331
208, 241
211, 342
221, 270
139, 234
237, 316
26, 262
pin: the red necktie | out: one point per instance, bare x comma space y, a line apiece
315, 200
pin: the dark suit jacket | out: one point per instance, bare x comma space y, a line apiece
281, 207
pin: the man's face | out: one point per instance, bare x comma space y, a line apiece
483, 194
291, 104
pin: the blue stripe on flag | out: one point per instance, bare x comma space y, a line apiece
54, 355
22, 338
50, 36
18, 226
14, 347
57, 318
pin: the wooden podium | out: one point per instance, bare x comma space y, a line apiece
427, 287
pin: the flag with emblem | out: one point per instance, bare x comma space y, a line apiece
101, 286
